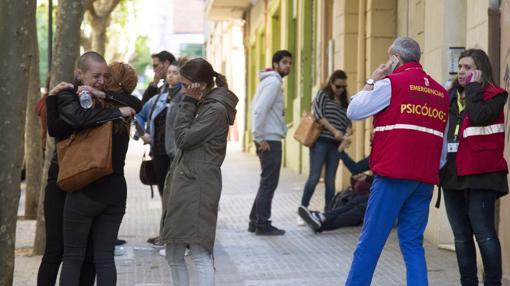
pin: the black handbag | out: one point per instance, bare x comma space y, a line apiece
147, 173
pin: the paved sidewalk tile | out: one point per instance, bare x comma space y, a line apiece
300, 257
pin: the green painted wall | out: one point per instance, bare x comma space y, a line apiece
299, 40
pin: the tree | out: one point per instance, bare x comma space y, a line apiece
15, 56
66, 51
99, 17
33, 143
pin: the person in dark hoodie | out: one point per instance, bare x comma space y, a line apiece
193, 185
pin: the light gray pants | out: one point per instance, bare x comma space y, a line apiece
202, 259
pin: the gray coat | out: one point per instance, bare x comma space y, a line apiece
193, 184
176, 96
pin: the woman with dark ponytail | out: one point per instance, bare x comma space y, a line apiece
193, 184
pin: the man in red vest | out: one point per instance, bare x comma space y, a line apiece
410, 112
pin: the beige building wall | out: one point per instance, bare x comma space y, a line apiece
477, 24
345, 48
225, 51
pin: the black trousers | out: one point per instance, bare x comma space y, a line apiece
54, 199
270, 162
161, 165
348, 214
84, 217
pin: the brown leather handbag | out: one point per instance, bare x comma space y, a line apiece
85, 157
308, 130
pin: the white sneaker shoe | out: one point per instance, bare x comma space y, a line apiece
300, 221
162, 252
119, 251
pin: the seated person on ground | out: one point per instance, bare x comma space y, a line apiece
347, 207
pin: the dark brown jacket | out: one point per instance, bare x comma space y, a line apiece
193, 184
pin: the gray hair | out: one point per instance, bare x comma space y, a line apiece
407, 48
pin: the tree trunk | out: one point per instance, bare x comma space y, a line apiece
66, 51
99, 16
40, 226
99, 26
15, 17
33, 143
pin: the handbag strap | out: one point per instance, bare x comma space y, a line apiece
152, 109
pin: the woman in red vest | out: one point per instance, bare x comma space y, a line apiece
474, 175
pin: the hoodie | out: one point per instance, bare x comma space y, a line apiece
268, 122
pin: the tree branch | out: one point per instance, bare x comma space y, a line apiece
104, 8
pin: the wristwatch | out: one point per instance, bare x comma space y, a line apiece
370, 81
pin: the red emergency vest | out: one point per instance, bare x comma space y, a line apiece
481, 147
408, 134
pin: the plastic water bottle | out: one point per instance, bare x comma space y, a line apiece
85, 99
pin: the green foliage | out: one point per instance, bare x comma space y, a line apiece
141, 59
42, 37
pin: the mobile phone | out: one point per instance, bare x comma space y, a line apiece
468, 77
139, 128
392, 63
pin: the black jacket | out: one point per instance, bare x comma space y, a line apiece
72, 113
65, 116
149, 93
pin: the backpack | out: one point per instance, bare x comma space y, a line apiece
341, 198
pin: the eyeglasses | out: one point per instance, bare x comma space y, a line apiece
340, 86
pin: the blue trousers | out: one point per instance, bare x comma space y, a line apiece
390, 200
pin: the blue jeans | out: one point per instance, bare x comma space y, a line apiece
389, 200
322, 153
202, 259
471, 212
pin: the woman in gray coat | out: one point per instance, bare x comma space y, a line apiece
193, 184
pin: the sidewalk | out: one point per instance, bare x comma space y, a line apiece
300, 257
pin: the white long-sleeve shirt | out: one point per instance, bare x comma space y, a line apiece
367, 103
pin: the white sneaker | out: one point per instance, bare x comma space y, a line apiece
119, 251
300, 221
162, 252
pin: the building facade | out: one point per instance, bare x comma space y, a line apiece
175, 32
354, 35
